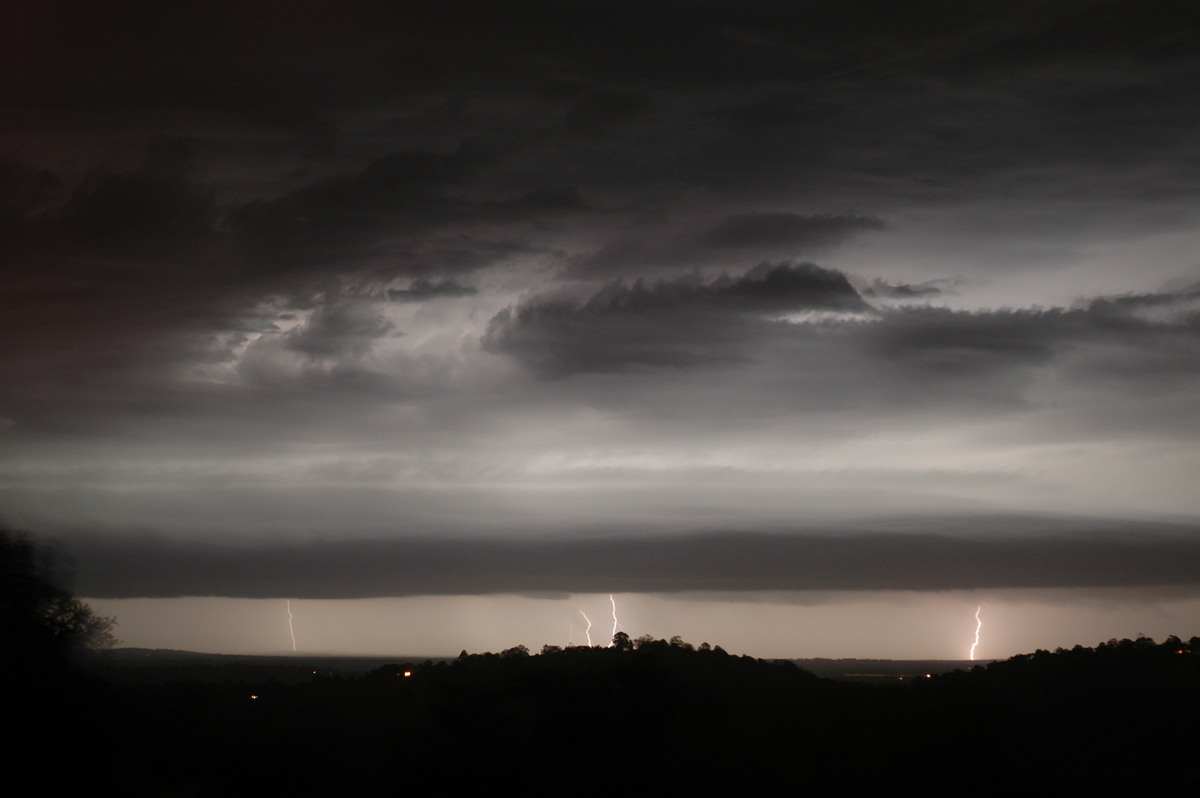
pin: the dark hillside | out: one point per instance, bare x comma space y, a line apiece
642, 713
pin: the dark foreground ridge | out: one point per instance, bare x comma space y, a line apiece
641, 714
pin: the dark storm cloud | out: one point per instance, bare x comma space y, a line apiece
1180, 305
788, 286
951, 554
115, 283
753, 98
422, 289
1033, 101
690, 323
748, 230
111, 281
25, 190
1107, 332
338, 221
955, 342
865, 100
199, 52
157, 206
335, 329
183, 187
599, 111
544, 200
668, 323
133, 218
657, 246
885, 290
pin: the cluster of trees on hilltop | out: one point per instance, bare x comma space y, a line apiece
620, 642
1102, 716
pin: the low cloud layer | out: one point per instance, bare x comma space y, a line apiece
1062, 554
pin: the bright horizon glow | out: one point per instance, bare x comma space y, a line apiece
874, 625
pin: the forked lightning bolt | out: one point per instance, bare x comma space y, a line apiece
291, 629
978, 626
588, 630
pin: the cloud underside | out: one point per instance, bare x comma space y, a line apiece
421, 160
1066, 556
487, 247
803, 317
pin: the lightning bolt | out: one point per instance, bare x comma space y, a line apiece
978, 626
616, 625
291, 629
588, 630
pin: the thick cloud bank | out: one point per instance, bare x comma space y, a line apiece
963, 554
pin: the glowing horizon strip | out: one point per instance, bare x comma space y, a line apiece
291, 629
978, 626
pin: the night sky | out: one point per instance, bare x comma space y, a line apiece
803, 328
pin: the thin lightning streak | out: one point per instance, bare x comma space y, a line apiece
291, 629
588, 630
616, 625
978, 626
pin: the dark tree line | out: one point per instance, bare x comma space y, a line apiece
664, 714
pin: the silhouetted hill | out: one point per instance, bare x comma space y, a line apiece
155, 666
884, 671
648, 714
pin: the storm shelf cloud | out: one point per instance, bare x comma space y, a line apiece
1068, 555
444, 277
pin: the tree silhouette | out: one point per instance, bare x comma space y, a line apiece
76, 624
41, 624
